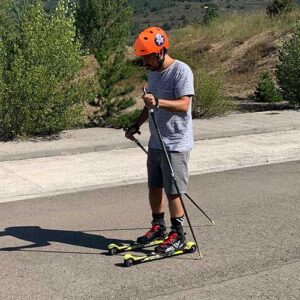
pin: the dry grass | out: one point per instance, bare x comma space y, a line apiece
242, 46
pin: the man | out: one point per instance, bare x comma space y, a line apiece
170, 91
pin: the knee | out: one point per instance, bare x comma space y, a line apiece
172, 197
155, 192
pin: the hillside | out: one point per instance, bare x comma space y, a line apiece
172, 14
240, 47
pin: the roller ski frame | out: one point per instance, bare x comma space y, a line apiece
113, 249
130, 259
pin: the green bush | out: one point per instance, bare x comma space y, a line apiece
124, 120
2, 67
288, 69
210, 97
9, 28
211, 13
278, 7
266, 90
42, 94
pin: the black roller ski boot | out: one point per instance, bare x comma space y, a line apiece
176, 238
157, 232
153, 237
175, 241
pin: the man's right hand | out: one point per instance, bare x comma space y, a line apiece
132, 130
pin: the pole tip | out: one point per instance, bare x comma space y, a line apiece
213, 222
200, 255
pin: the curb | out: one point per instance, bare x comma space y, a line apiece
125, 145
250, 106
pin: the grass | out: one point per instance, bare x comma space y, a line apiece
233, 27
241, 45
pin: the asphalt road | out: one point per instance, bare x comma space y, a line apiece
55, 248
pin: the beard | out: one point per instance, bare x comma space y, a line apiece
153, 67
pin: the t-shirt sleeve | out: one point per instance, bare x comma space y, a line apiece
184, 82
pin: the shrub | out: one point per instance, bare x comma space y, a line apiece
266, 90
210, 99
124, 120
2, 67
9, 28
41, 93
278, 7
211, 13
166, 26
288, 69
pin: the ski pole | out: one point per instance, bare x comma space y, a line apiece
212, 221
173, 175
140, 145
138, 142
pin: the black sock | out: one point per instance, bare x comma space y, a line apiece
158, 219
177, 224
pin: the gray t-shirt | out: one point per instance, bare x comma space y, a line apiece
176, 127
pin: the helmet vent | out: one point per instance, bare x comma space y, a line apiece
145, 38
151, 31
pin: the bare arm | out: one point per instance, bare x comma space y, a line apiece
181, 104
143, 117
138, 123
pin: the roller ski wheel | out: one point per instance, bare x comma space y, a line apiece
130, 259
114, 249
128, 262
193, 249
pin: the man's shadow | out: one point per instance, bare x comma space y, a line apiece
39, 237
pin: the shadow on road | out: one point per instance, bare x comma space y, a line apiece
40, 237
140, 228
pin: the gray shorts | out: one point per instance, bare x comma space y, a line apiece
159, 174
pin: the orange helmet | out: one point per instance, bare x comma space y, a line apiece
151, 40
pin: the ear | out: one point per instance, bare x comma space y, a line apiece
161, 53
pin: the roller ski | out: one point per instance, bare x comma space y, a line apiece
174, 244
129, 259
155, 236
113, 249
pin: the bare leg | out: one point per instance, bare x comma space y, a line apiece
156, 200
175, 206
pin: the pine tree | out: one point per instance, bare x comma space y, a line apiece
104, 27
